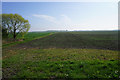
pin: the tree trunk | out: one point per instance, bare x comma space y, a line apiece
14, 34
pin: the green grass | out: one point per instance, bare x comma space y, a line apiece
69, 69
60, 63
28, 37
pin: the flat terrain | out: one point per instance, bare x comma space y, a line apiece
63, 55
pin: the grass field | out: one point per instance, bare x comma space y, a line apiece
28, 37
63, 55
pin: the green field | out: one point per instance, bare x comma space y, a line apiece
28, 37
87, 54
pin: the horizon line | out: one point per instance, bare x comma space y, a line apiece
72, 30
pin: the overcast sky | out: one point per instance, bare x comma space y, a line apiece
66, 15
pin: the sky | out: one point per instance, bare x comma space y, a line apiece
66, 15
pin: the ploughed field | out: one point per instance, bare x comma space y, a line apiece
91, 40
87, 54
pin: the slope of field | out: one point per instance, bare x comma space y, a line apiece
64, 55
93, 40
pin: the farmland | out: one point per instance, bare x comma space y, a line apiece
28, 37
84, 54
76, 40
